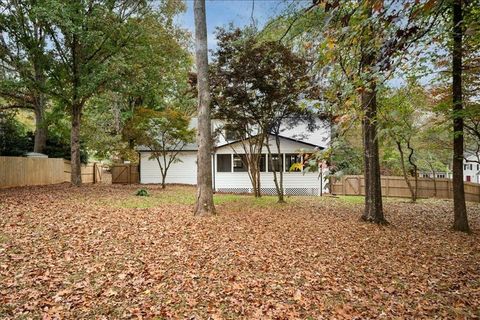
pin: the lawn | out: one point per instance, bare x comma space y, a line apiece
102, 252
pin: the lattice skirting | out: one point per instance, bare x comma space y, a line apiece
273, 191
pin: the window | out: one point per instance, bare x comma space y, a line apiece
469, 179
231, 135
291, 159
263, 163
239, 163
425, 175
467, 167
275, 163
440, 175
224, 163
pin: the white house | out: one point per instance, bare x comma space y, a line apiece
229, 172
471, 170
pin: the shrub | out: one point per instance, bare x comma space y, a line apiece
142, 193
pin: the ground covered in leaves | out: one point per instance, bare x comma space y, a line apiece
102, 252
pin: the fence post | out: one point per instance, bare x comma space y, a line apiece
359, 180
450, 196
387, 187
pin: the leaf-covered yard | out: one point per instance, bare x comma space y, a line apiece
98, 251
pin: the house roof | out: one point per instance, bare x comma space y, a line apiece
282, 137
188, 147
299, 134
194, 146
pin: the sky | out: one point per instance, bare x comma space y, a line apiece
239, 12
222, 12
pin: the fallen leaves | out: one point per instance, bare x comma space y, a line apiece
79, 253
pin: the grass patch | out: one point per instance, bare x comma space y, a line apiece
357, 200
186, 197
352, 199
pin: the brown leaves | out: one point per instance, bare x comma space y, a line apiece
92, 252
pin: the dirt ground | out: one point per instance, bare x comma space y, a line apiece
100, 252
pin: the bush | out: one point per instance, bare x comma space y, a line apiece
142, 193
15, 140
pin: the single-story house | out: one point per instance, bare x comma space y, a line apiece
229, 173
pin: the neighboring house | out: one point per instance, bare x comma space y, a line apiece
229, 172
471, 170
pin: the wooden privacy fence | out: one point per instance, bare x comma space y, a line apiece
125, 173
21, 171
397, 187
91, 172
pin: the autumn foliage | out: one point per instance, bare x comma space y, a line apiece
102, 252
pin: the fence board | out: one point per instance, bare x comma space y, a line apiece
393, 186
22, 171
125, 174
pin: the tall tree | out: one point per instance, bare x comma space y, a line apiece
368, 97
157, 69
365, 40
459, 208
23, 62
204, 204
86, 39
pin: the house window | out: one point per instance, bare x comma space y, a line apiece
467, 167
275, 163
224, 163
231, 135
290, 160
440, 175
263, 163
239, 163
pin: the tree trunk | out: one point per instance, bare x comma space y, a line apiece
254, 175
459, 208
253, 164
404, 171
373, 190
415, 169
76, 173
281, 198
204, 204
39, 101
434, 173
163, 180
278, 184
40, 129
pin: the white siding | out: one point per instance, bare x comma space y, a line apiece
471, 169
184, 172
